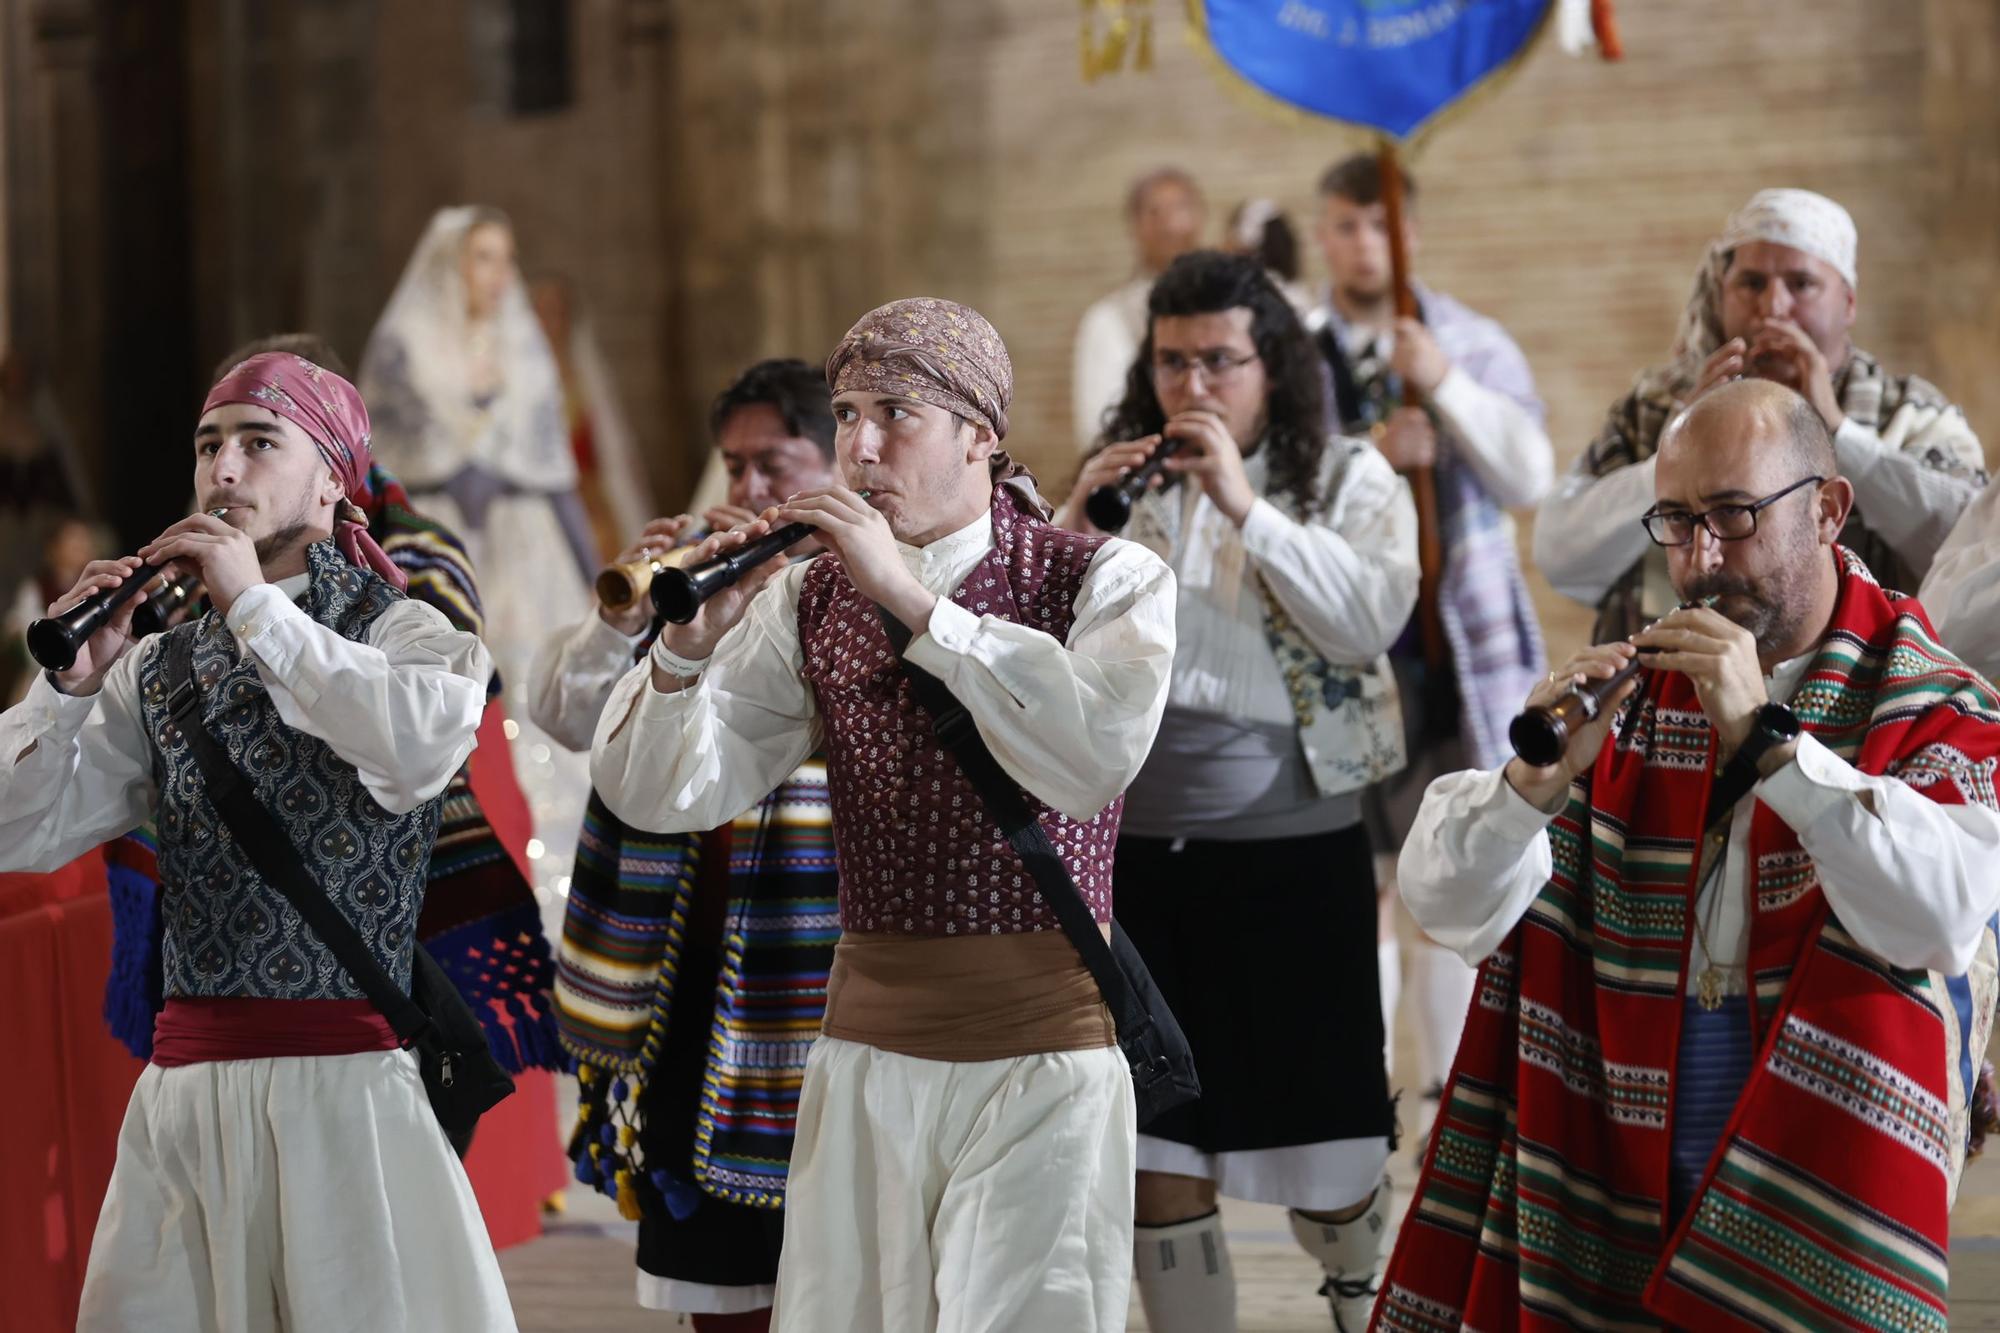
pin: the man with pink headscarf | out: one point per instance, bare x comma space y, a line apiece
279, 1165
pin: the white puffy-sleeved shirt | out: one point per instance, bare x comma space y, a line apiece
1070, 721
1910, 879
1962, 591
403, 707
572, 676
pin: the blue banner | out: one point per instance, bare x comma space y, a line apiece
1388, 64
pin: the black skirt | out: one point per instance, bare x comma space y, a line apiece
1265, 952
719, 1244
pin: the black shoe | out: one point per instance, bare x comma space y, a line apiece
1352, 1300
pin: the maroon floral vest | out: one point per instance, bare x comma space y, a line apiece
918, 854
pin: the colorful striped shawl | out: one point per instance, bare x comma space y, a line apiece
1541, 1201
778, 948
480, 919
630, 901
430, 555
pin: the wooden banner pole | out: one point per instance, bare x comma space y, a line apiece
1423, 480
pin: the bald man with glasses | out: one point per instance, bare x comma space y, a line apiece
1736, 945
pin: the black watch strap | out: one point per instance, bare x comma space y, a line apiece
1774, 725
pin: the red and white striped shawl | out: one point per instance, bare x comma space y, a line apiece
1541, 1202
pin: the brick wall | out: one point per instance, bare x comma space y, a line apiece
1962, 142
1572, 202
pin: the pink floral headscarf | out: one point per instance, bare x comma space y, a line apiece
329, 410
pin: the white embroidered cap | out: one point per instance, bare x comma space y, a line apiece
1799, 219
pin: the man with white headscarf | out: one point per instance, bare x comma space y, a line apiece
1774, 299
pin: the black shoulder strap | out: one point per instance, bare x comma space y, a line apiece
1730, 786
1002, 795
272, 851
1346, 393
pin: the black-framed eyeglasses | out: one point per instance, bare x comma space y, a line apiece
1725, 523
1215, 365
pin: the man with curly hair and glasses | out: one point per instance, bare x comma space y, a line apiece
1248, 882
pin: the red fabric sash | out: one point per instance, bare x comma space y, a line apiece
194, 1030
1542, 1198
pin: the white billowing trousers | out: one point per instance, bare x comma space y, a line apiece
306, 1194
931, 1196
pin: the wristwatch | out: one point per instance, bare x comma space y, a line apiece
1771, 726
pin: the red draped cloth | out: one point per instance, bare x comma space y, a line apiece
69, 1084
517, 1158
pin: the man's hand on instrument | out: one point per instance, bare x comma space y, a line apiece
1106, 467
1720, 657
720, 613
1208, 453
225, 557
722, 517
1544, 787
1786, 349
855, 531
97, 653
662, 534
1727, 362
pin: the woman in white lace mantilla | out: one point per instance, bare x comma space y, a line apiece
468, 412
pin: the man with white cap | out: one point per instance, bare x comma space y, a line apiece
1775, 300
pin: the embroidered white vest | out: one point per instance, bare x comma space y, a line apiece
1350, 718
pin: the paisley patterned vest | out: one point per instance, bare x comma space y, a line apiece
918, 853
227, 932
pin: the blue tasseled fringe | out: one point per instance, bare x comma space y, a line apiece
135, 990
535, 1037
504, 958
681, 1196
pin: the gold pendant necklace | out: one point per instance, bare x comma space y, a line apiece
1708, 988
